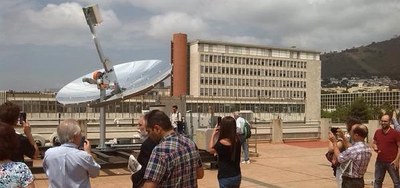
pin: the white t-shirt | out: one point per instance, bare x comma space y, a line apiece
175, 117
239, 125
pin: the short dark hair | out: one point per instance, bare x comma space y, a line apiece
157, 117
352, 120
361, 130
9, 113
175, 106
9, 142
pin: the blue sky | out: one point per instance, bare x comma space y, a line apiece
46, 44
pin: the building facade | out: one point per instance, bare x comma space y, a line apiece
284, 79
330, 101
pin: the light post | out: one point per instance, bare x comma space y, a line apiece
198, 115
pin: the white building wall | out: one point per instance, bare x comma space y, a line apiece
194, 72
313, 91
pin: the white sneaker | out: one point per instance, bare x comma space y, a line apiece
243, 162
247, 162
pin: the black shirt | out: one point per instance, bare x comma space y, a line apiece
143, 158
228, 166
25, 148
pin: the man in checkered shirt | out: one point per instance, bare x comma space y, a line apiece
354, 159
175, 161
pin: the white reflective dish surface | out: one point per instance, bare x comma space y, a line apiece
133, 77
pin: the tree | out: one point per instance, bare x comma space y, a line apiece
340, 114
360, 108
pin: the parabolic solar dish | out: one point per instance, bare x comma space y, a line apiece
134, 78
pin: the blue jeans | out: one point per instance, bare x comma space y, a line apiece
380, 171
231, 182
245, 147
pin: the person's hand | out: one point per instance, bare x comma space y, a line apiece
27, 128
216, 130
375, 148
395, 164
340, 134
86, 146
332, 137
394, 115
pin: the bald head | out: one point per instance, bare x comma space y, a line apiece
67, 130
360, 130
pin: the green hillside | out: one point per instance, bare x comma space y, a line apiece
376, 59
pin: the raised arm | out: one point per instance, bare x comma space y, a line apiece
212, 141
395, 122
28, 134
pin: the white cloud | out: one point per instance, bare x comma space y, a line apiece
142, 29
162, 26
62, 24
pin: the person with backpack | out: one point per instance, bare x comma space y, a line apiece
243, 133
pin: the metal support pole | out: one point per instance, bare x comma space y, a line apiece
191, 125
102, 121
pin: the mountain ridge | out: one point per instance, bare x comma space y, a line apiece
376, 59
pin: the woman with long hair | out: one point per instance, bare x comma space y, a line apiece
227, 148
12, 174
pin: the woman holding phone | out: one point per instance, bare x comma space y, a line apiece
227, 147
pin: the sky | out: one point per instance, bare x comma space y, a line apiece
45, 44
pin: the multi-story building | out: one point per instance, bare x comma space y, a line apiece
282, 82
330, 101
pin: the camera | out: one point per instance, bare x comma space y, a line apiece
22, 118
334, 130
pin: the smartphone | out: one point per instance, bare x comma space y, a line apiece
83, 140
334, 130
219, 121
22, 117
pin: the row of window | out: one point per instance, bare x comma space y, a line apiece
252, 61
375, 99
258, 108
275, 94
251, 72
242, 50
137, 107
252, 82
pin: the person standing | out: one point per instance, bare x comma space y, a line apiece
227, 148
337, 172
356, 157
67, 166
176, 120
344, 141
144, 154
9, 114
386, 143
175, 161
12, 174
243, 140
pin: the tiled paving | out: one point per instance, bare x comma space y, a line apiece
290, 165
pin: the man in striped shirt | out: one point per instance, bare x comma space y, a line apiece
354, 159
175, 161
